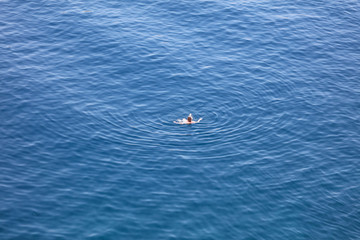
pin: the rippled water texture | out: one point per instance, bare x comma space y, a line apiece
89, 91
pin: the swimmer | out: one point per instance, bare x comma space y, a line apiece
189, 120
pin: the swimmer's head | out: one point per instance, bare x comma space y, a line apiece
189, 118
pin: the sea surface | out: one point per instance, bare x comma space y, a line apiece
89, 91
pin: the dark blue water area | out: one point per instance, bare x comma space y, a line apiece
89, 91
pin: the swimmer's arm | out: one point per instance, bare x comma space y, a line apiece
199, 120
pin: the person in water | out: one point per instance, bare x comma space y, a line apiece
189, 120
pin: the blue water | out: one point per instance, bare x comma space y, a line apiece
89, 91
